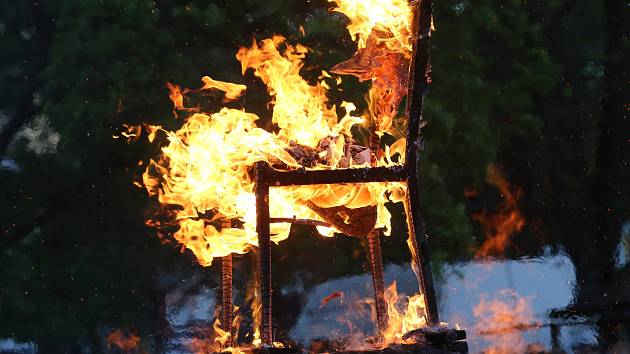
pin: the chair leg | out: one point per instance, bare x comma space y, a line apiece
264, 249
376, 267
420, 258
226, 296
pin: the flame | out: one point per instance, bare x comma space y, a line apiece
404, 315
366, 15
299, 109
218, 341
256, 314
506, 221
501, 320
382, 30
203, 171
177, 95
124, 341
133, 132
201, 178
232, 91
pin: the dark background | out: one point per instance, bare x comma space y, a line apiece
538, 88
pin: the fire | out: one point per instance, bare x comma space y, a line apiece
202, 178
122, 340
383, 33
404, 315
133, 132
506, 221
501, 320
216, 344
299, 109
365, 15
203, 171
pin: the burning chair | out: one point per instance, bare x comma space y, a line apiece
394, 75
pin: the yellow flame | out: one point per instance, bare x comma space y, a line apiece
202, 176
365, 15
404, 315
299, 109
383, 33
232, 91
203, 171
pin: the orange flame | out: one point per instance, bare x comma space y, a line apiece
122, 340
383, 33
218, 343
177, 95
502, 319
204, 169
506, 221
404, 315
133, 132
201, 178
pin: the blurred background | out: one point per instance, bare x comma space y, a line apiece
528, 119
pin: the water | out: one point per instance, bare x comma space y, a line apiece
545, 284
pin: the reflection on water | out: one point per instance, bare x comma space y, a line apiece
531, 286
342, 316
12, 346
189, 316
541, 284
501, 303
623, 248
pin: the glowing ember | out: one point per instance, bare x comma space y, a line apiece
499, 226
122, 340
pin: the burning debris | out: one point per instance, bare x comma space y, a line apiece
220, 177
335, 295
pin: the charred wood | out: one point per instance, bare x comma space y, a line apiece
352, 222
296, 221
303, 177
226, 296
435, 335
264, 248
378, 281
419, 79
